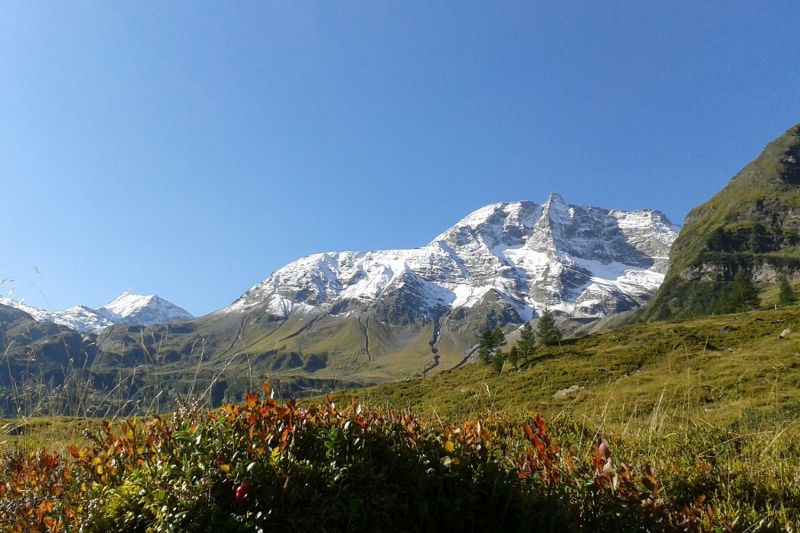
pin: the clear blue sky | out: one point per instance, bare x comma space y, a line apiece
191, 148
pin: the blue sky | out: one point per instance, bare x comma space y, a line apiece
191, 148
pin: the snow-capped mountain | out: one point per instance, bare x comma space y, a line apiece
80, 318
580, 261
127, 308
130, 308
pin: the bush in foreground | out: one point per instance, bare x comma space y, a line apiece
266, 464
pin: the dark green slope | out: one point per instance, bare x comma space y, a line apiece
753, 224
45, 367
29, 346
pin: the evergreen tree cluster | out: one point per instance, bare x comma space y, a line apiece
491, 344
740, 295
490, 348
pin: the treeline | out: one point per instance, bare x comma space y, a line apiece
493, 341
742, 295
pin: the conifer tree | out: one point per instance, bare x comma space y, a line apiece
526, 344
498, 361
722, 303
499, 338
547, 332
744, 294
786, 294
492, 340
740, 295
486, 346
513, 356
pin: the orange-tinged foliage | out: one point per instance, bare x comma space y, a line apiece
259, 450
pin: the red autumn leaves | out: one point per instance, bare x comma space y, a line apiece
240, 491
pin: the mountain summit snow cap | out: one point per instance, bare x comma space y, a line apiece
128, 303
520, 256
555, 198
129, 308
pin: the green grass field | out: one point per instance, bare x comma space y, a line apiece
710, 405
718, 369
713, 403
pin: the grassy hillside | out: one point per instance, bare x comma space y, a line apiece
300, 351
720, 369
686, 425
712, 403
753, 224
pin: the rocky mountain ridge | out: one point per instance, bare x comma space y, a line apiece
579, 261
366, 317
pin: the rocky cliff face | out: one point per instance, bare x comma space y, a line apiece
753, 224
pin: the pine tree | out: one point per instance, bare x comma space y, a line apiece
722, 303
526, 345
740, 295
499, 338
547, 332
486, 346
513, 356
490, 344
498, 361
786, 294
744, 294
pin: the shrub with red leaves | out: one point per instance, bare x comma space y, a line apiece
267, 464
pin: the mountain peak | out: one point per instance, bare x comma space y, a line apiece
128, 302
489, 223
584, 261
127, 308
131, 308
555, 198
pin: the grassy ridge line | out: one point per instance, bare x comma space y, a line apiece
751, 225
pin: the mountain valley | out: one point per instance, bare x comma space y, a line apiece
355, 318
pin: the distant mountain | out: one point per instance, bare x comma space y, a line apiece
579, 261
130, 308
38, 359
127, 308
365, 317
753, 225
80, 318
344, 319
